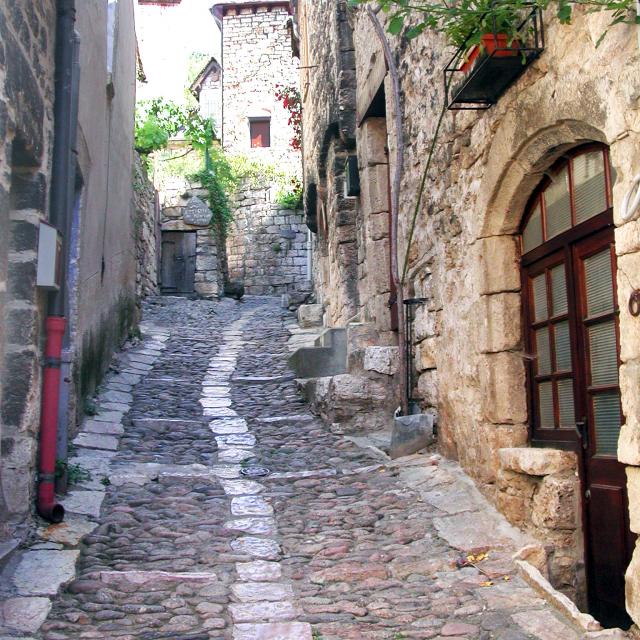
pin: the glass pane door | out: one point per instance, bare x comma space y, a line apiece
552, 357
599, 319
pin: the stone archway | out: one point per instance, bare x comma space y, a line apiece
506, 187
510, 178
524, 476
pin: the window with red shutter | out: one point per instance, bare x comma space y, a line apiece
260, 131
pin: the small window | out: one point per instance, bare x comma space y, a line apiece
260, 130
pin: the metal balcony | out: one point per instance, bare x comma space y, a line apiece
493, 72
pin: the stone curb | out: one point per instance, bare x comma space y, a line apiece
562, 603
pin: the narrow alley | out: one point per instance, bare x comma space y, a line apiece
232, 512
319, 320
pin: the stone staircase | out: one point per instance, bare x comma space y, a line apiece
347, 377
327, 356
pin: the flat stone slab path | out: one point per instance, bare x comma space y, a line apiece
333, 544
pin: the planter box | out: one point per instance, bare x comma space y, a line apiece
486, 73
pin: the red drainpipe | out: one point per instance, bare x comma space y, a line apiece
47, 505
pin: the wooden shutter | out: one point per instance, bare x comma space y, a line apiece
260, 132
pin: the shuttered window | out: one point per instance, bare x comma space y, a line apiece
260, 131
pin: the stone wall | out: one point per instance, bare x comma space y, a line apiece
102, 253
538, 490
210, 275
104, 310
27, 38
465, 255
267, 247
147, 225
351, 233
329, 132
256, 54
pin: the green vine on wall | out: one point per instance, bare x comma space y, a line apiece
219, 179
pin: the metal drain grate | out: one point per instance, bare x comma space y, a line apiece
255, 472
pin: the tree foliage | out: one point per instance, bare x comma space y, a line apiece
173, 119
150, 136
463, 22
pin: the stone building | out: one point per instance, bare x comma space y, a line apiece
65, 188
266, 244
526, 339
207, 90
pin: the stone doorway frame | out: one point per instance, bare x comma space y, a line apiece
507, 185
509, 180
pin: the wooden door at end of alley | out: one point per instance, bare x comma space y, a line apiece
178, 262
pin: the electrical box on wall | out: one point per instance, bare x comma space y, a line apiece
49, 257
352, 179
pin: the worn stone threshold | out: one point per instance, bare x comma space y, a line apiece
563, 604
141, 473
141, 577
198, 340
183, 420
305, 417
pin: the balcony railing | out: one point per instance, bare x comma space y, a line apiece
479, 84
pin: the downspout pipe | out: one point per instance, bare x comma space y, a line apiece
74, 184
60, 216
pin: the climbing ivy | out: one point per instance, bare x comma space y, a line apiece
219, 179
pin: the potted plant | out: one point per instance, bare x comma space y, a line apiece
484, 27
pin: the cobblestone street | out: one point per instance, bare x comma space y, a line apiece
335, 542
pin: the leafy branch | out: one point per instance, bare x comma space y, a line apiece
159, 120
465, 21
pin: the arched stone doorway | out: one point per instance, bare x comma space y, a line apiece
516, 379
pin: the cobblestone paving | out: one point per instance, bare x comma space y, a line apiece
331, 544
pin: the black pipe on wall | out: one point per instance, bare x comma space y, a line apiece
61, 216
65, 127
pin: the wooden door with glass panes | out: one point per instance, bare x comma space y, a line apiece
572, 336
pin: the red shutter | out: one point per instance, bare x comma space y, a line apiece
260, 133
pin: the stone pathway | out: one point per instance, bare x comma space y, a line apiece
335, 543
